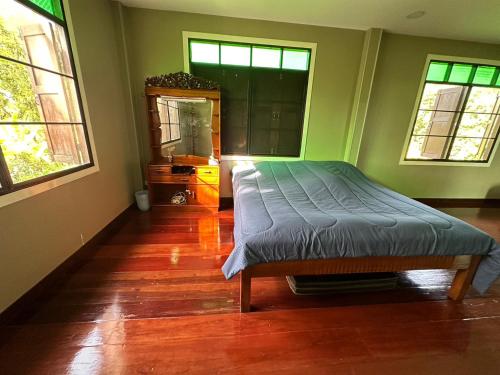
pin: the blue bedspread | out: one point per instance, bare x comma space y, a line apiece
318, 210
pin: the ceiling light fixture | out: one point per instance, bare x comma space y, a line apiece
416, 14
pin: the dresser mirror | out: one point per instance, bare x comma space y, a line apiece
184, 123
186, 126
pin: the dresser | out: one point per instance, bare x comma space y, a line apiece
184, 127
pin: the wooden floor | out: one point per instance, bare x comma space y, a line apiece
153, 300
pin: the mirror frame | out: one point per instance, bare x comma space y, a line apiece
152, 94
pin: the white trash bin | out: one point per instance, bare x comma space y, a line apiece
142, 199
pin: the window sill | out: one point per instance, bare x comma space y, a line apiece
259, 158
31, 191
171, 143
444, 163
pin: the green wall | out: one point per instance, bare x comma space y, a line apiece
154, 40
398, 73
155, 46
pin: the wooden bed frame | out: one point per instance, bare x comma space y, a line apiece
465, 265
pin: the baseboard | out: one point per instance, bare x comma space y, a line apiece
28, 302
226, 203
460, 202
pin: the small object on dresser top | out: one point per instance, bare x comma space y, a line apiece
213, 161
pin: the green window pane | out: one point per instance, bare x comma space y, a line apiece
295, 59
266, 57
484, 75
498, 79
460, 73
437, 71
205, 52
235, 55
54, 7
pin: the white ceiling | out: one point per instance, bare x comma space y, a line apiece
475, 20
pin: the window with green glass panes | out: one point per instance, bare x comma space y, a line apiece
295, 59
204, 52
54, 7
437, 71
263, 94
266, 57
44, 134
242, 54
460, 73
451, 72
484, 75
458, 116
234, 54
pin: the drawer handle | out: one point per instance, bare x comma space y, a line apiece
184, 179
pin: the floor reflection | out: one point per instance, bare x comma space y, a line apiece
89, 359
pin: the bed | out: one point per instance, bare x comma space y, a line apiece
313, 218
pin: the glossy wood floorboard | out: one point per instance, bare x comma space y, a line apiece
153, 300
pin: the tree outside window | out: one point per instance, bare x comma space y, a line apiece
42, 131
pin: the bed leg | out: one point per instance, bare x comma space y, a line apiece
245, 291
463, 279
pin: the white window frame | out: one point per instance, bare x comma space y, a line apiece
186, 35
31, 191
406, 145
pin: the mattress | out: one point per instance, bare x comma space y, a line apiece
304, 210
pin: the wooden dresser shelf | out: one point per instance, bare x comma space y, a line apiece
201, 187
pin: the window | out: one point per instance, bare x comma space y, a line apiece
458, 116
169, 120
264, 92
42, 127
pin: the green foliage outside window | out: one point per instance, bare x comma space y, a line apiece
24, 147
16, 95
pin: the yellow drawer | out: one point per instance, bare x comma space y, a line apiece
207, 171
